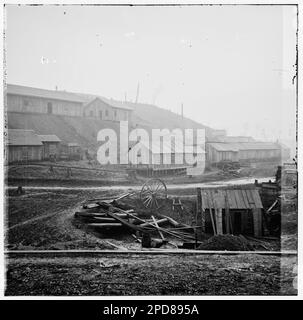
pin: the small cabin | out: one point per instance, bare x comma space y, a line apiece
230, 211
23, 145
51, 145
74, 151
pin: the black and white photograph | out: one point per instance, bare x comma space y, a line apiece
150, 149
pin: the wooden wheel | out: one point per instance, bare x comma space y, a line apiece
153, 194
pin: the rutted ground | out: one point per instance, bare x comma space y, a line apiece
43, 219
152, 275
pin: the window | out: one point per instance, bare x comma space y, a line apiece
91, 113
49, 107
100, 114
25, 105
115, 113
106, 113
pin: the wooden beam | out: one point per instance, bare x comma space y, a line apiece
212, 220
159, 231
199, 218
257, 218
219, 221
227, 215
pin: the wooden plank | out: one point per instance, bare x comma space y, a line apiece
231, 199
257, 218
239, 201
104, 220
219, 221
219, 198
159, 231
257, 199
96, 215
227, 215
204, 200
212, 211
172, 221
105, 225
245, 199
200, 217
159, 222
172, 233
244, 220
251, 201
130, 225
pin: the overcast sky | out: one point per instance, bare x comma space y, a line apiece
231, 66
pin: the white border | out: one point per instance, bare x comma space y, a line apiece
300, 159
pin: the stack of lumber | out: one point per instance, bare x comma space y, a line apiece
111, 213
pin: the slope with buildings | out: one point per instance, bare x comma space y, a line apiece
77, 118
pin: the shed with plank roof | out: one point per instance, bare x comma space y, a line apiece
23, 145
235, 211
50, 146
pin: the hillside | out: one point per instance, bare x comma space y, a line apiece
162, 118
85, 130
69, 129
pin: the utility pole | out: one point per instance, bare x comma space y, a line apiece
182, 110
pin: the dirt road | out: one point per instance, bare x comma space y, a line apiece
213, 184
152, 275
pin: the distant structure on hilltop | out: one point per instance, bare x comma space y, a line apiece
34, 100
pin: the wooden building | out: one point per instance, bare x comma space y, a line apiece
221, 151
51, 145
105, 109
23, 145
54, 102
230, 211
34, 100
164, 157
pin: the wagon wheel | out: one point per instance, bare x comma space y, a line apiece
153, 194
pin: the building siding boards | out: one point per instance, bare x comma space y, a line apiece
217, 152
34, 100
23, 145
42, 105
99, 109
50, 145
242, 205
24, 153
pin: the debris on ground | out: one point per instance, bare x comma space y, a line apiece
226, 242
112, 214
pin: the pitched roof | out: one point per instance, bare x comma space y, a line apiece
235, 147
63, 96
88, 99
176, 146
19, 137
48, 138
235, 139
37, 92
231, 198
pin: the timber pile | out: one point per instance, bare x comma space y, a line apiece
109, 214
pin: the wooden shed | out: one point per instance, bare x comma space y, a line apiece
242, 151
50, 145
230, 211
23, 145
74, 151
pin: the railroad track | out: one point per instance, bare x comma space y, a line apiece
98, 253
